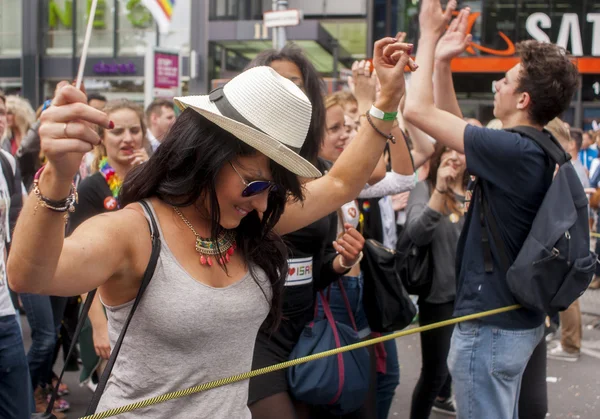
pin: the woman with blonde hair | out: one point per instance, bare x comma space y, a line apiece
19, 118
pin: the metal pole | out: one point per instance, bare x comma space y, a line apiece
274, 31
578, 114
199, 80
30, 45
281, 35
335, 74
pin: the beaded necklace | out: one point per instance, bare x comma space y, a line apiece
112, 179
221, 248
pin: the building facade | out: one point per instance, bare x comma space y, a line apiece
41, 40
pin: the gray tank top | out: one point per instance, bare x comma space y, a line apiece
182, 334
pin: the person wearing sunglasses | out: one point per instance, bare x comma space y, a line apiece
222, 263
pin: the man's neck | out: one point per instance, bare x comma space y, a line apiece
156, 137
516, 120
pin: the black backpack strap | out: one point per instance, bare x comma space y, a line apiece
154, 234
86, 308
486, 214
552, 148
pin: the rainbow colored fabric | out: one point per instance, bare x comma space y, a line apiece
112, 179
162, 12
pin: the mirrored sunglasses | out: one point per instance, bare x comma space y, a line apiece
255, 187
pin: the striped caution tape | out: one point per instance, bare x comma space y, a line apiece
245, 376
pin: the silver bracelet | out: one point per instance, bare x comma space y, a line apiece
360, 256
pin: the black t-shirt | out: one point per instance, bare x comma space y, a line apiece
313, 241
95, 197
517, 175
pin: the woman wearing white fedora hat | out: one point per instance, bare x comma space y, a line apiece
218, 187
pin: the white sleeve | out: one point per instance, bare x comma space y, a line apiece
391, 184
594, 166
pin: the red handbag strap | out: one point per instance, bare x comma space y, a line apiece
340, 357
347, 304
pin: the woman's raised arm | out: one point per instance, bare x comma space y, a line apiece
41, 260
353, 168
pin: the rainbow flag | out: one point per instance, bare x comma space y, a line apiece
162, 11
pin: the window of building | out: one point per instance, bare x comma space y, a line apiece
10, 28
102, 41
58, 17
136, 28
237, 9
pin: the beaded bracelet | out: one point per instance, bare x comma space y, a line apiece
360, 256
66, 205
388, 137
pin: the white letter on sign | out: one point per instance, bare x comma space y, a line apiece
594, 18
541, 19
570, 26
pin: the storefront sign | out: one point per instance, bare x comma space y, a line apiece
500, 60
114, 68
166, 70
569, 30
162, 74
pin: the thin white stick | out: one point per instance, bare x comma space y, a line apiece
86, 44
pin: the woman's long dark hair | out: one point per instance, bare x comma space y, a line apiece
313, 88
183, 171
451, 203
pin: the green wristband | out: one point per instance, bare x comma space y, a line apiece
379, 114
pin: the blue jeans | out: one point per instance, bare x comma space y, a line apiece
387, 383
44, 315
16, 399
487, 364
353, 286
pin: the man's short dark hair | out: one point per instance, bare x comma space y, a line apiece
156, 107
577, 137
2, 97
550, 78
96, 96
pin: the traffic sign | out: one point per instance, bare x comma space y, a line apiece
280, 18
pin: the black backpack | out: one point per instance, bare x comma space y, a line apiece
414, 265
555, 265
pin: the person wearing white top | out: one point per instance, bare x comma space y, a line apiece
15, 393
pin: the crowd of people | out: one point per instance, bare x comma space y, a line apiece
264, 193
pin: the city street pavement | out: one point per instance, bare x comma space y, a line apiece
573, 387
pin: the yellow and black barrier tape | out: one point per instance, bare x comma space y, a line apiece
245, 376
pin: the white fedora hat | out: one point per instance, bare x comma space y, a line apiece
263, 109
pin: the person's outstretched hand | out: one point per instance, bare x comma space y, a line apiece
432, 19
66, 133
456, 40
390, 56
365, 84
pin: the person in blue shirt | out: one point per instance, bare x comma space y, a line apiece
588, 152
488, 357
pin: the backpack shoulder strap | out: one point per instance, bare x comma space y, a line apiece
156, 244
485, 214
552, 148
